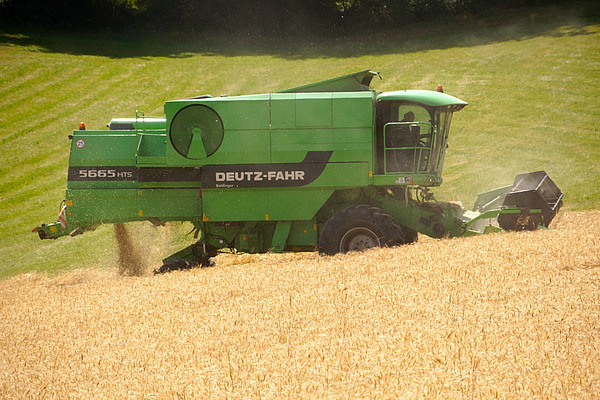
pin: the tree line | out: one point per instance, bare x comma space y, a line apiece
265, 17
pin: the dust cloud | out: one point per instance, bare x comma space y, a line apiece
131, 261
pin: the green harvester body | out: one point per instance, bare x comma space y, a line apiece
332, 165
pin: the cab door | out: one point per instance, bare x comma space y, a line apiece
405, 137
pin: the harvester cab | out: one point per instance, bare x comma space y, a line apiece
332, 165
412, 128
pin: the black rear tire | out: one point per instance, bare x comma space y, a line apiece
358, 228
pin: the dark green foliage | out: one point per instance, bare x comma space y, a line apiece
69, 14
259, 17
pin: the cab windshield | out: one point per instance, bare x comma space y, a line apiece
413, 137
408, 135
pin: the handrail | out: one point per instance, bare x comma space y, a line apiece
418, 149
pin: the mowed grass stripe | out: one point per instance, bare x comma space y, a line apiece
55, 111
43, 179
17, 79
61, 95
44, 88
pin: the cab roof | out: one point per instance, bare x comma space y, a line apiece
427, 97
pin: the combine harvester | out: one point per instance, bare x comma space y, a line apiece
333, 166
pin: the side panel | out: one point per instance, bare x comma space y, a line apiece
247, 134
152, 149
353, 110
348, 145
102, 178
262, 204
302, 233
103, 148
338, 122
87, 207
120, 176
313, 110
169, 204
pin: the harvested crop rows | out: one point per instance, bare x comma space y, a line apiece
513, 315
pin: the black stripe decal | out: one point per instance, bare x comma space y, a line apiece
215, 176
170, 174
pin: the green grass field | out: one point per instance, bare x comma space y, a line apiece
531, 83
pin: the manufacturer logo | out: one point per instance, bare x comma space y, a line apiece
266, 175
257, 176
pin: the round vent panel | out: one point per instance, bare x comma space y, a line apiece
196, 131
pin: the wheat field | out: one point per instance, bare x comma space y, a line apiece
513, 315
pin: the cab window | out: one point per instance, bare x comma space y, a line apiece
406, 131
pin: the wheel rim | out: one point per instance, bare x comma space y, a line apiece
359, 239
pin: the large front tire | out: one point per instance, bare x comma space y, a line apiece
358, 228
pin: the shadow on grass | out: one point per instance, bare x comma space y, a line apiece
520, 24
